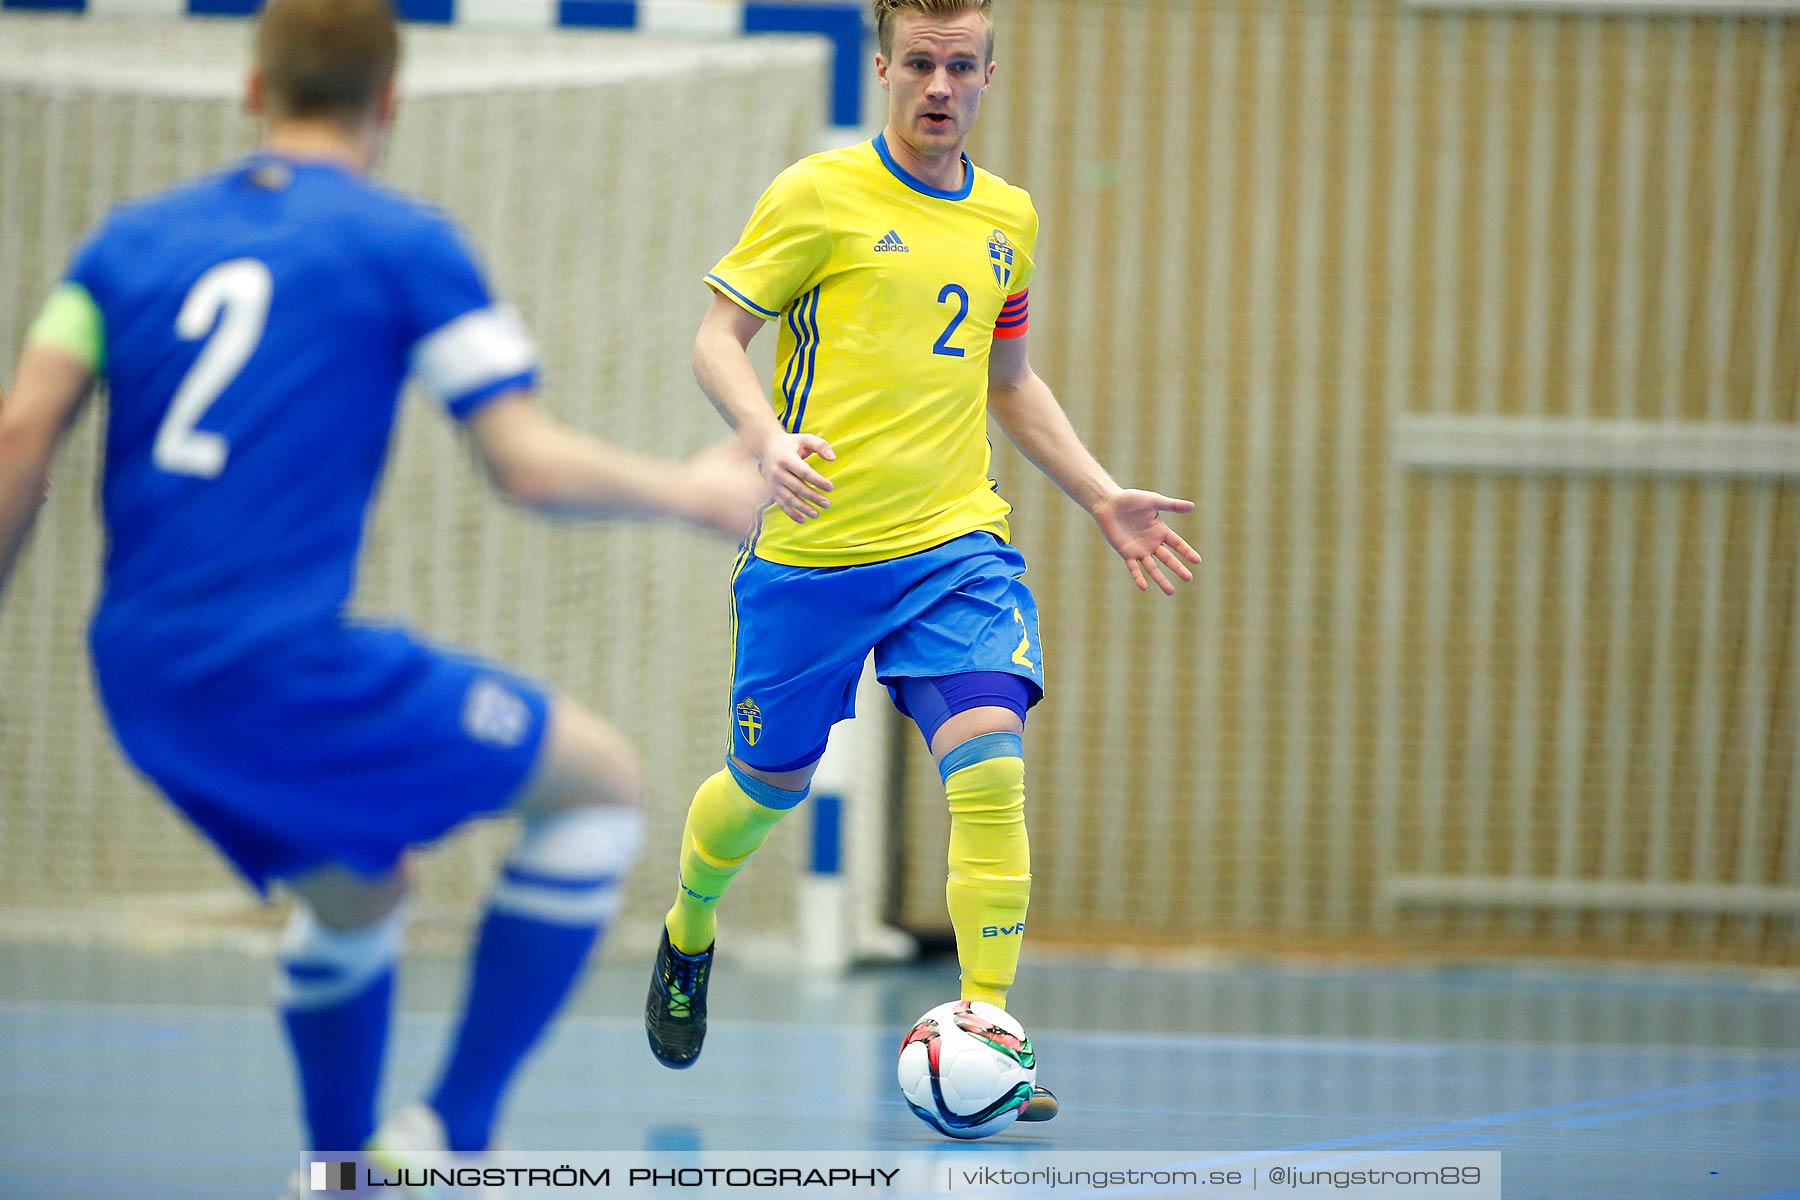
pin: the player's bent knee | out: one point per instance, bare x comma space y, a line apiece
569, 866
798, 780
320, 966
951, 709
987, 747
584, 762
344, 901
964, 727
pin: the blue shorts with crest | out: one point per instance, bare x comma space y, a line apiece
800, 636
344, 744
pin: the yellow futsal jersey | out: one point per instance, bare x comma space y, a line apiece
889, 294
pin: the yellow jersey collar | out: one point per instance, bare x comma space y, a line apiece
918, 185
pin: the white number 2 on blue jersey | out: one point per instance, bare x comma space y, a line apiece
236, 295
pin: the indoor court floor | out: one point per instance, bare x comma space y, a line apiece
139, 1074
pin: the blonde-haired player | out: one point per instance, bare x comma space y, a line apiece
897, 274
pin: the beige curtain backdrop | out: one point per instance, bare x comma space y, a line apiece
598, 176
1410, 707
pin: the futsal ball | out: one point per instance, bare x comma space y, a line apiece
966, 1069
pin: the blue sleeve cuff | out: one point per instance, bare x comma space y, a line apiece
742, 301
469, 403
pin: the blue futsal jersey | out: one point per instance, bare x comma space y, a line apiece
257, 327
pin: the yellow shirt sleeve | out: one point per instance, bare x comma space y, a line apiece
1027, 268
72, 321
783, 250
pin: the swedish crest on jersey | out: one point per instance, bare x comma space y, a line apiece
1002, 253
494, 714
749, 719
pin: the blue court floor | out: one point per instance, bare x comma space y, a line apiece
136, 1074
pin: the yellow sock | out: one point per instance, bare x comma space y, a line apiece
726, 824
989, 887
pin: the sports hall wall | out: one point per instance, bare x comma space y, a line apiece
1476, 336
1314, 265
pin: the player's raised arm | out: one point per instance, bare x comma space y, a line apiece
544, 464
1131, 520
52, 381
473, 352
725, 373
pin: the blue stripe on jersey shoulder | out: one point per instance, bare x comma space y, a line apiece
752, 305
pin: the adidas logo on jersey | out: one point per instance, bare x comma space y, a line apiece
891, 244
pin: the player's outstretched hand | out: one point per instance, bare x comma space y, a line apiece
725, 489
798, 489
1132, 522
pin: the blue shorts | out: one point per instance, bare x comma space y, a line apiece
344, 745
800, 636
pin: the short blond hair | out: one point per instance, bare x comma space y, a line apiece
886, 11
